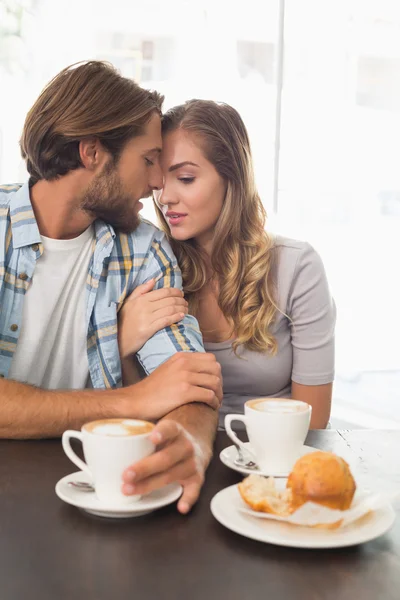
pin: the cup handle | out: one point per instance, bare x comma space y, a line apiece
66, 444
232, 434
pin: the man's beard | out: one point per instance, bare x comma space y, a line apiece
106, 200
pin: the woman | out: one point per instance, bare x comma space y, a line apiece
262, 302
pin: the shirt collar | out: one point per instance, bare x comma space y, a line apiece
25, 231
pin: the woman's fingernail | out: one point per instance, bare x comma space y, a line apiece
129, 490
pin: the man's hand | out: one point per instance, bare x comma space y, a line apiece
178, 458
184, 378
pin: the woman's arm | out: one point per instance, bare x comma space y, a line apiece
145, 312
313, 315
319, 397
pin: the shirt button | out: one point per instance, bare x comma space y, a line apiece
14, 327
35, 247
23, 276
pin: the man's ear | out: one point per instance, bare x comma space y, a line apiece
92, 153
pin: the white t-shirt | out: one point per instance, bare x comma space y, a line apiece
51, 351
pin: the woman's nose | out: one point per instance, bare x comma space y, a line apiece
165, 198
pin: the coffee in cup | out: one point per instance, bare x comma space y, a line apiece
278, 405
119, 427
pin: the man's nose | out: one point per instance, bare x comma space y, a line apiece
156, 180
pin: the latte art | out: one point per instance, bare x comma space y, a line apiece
119, 427
280, 406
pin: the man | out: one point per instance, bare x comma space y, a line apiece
72, 249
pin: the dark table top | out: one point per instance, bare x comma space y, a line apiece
50, 550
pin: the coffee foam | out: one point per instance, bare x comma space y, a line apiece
281, 406
119, 427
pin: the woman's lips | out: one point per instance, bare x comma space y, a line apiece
175, 218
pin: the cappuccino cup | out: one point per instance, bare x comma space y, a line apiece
276, 428
109, 447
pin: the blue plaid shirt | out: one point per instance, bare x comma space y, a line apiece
119, 263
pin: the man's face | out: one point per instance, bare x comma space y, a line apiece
114, 194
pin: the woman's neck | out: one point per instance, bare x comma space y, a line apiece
205, 245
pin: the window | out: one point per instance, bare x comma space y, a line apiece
325, 143
339, 184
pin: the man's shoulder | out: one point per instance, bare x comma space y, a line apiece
146, 228
145, 234
7, 191
147, 240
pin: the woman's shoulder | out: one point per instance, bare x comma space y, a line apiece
293, 253
289, 245
295, 262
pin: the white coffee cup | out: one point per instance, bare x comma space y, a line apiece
109, 447
276, 428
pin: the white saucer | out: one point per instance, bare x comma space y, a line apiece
89, 502
225, 508
229, 454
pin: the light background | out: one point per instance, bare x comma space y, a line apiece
318, 85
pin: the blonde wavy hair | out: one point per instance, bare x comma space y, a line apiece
242, 256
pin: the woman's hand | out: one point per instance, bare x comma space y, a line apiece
145, 312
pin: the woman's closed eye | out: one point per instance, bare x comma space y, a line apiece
148, 162
186, 180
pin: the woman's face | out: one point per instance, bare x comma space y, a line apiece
193, 193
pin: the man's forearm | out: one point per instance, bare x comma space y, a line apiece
201, 421
30, 412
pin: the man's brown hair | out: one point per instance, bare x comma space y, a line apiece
88, 99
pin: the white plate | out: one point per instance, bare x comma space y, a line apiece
229, 454
225, 508
90, 503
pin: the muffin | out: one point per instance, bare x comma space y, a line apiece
323, 478
261, 495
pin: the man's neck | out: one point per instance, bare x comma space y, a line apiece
56, 205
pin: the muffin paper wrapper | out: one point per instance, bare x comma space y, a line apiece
315, 515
